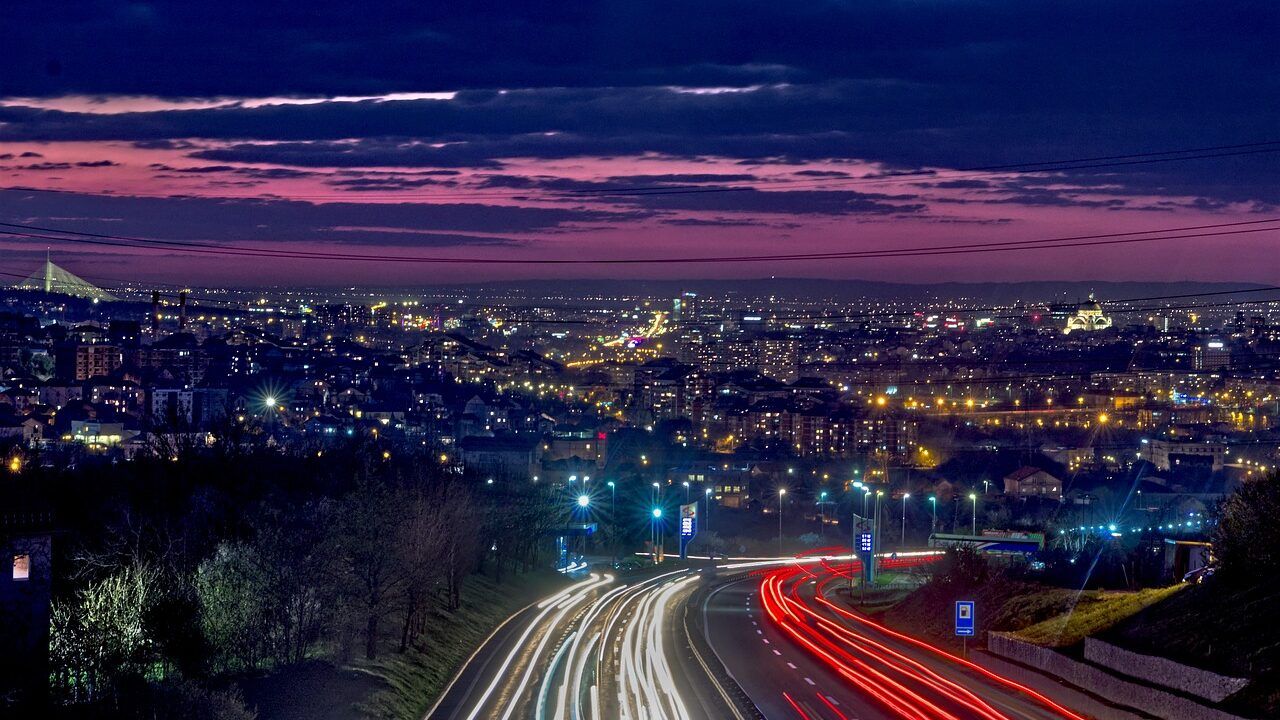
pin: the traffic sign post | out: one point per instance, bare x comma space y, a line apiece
866, 552
965, 623
688, 527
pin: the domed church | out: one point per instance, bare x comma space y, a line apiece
1088, 317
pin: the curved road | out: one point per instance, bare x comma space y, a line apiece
766, 640
799, 653
599, 649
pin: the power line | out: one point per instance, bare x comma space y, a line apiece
197, 247
829, 317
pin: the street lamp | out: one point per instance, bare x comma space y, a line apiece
903, 541
875, 524
974, 498
782, 492
933, 503
613, 519
865, 496
707, 493
822, 513
986, 486
686, 491
654, 532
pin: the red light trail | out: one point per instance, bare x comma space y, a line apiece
905, 686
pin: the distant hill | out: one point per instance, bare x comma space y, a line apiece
806, 288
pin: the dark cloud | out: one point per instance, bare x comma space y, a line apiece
375, 184
734, 199
792, 202
295, 221
958, 84
821, 173
251, 49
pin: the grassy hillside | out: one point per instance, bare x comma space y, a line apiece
1092, 614
417, 677
1228, 630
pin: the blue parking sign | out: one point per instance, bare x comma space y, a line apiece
964, 618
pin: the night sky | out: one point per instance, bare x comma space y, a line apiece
499, 130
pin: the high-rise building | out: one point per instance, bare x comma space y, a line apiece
1211, 355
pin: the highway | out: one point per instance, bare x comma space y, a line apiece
599, 649
771, 641
799, 654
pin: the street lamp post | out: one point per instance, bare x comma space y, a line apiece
686, 492
974, 498
584, 504
707, 494
875, 524
822, 513
903, 542
782, 492
613, 520
655, 533
853, 548
933, 506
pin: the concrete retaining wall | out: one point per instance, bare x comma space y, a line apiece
1114, 689
1162, 671
1061, 693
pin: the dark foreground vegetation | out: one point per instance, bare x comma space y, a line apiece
181, 576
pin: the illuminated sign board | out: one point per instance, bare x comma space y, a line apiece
688, 526
688, 520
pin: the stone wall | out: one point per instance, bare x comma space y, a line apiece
1112, 688
1162, 671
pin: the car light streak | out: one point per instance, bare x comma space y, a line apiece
1029, 692
905, 686
578, 663
564, 607
579, 590
539, 711
645, 675
796, 706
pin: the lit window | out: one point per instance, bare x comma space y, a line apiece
21, 567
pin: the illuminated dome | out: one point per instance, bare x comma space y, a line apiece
1088, 317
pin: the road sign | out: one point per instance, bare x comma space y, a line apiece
688, 526
964, 618
866, 553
